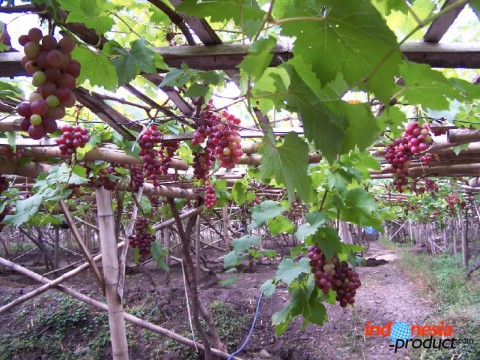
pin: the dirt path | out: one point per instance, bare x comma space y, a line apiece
386, 295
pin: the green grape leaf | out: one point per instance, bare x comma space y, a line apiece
244, 13
314, 312
197, 90
388, 6
427, 87
320, 123
96, 67
360, 208
288, 270
25, 210
265, 211
328, 240
233, 258
279, 225
315, 220
366, 50
475, 5
9, 90
259, 57
268, 288
140, 58
288, 162
158, 253
245, 242
282, 318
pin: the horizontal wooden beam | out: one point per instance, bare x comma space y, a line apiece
227, 57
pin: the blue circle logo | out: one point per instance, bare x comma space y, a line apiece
400, 330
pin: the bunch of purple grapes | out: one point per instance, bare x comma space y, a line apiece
334, 274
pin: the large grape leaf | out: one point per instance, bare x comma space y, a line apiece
343, 36
388, 6
259, 57
288, 162
360, 208
427, 87
140, 58
315, 220
244, 13
280, 225
96, 67
88, 12
265, 211
325, 127
288, 270
328, 240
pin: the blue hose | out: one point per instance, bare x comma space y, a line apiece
251, 329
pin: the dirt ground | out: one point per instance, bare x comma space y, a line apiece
386, 295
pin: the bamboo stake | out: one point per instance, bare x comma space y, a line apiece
83, 247
108, 244
123, 256
133, 319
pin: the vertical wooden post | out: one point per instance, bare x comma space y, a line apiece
168, 246
225, 227
108, 245
197, 246
56, 255
465, 242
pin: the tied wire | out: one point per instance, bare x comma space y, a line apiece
257, 311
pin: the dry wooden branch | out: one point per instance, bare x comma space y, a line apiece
191, 278
133, 319
83, 247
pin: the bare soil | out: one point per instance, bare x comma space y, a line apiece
386, 295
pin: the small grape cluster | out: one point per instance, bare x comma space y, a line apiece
334, 274
105, 177
452, 201
54, 73
151, 164
221, 131
202, 163
72, 137
167, 150
426, 159
210, 195
13, 155
142, 237
154, 201
136, 176
415, 139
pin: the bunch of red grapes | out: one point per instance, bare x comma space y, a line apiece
221, 130
415, 139
12, 155
106, 177
334, 274
152, 166
136, 176
54, 73
210, 195
142, 237
72, 137
167, 150
452, 201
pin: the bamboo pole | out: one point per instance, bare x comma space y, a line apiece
108, 244
83, 247
133, 319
